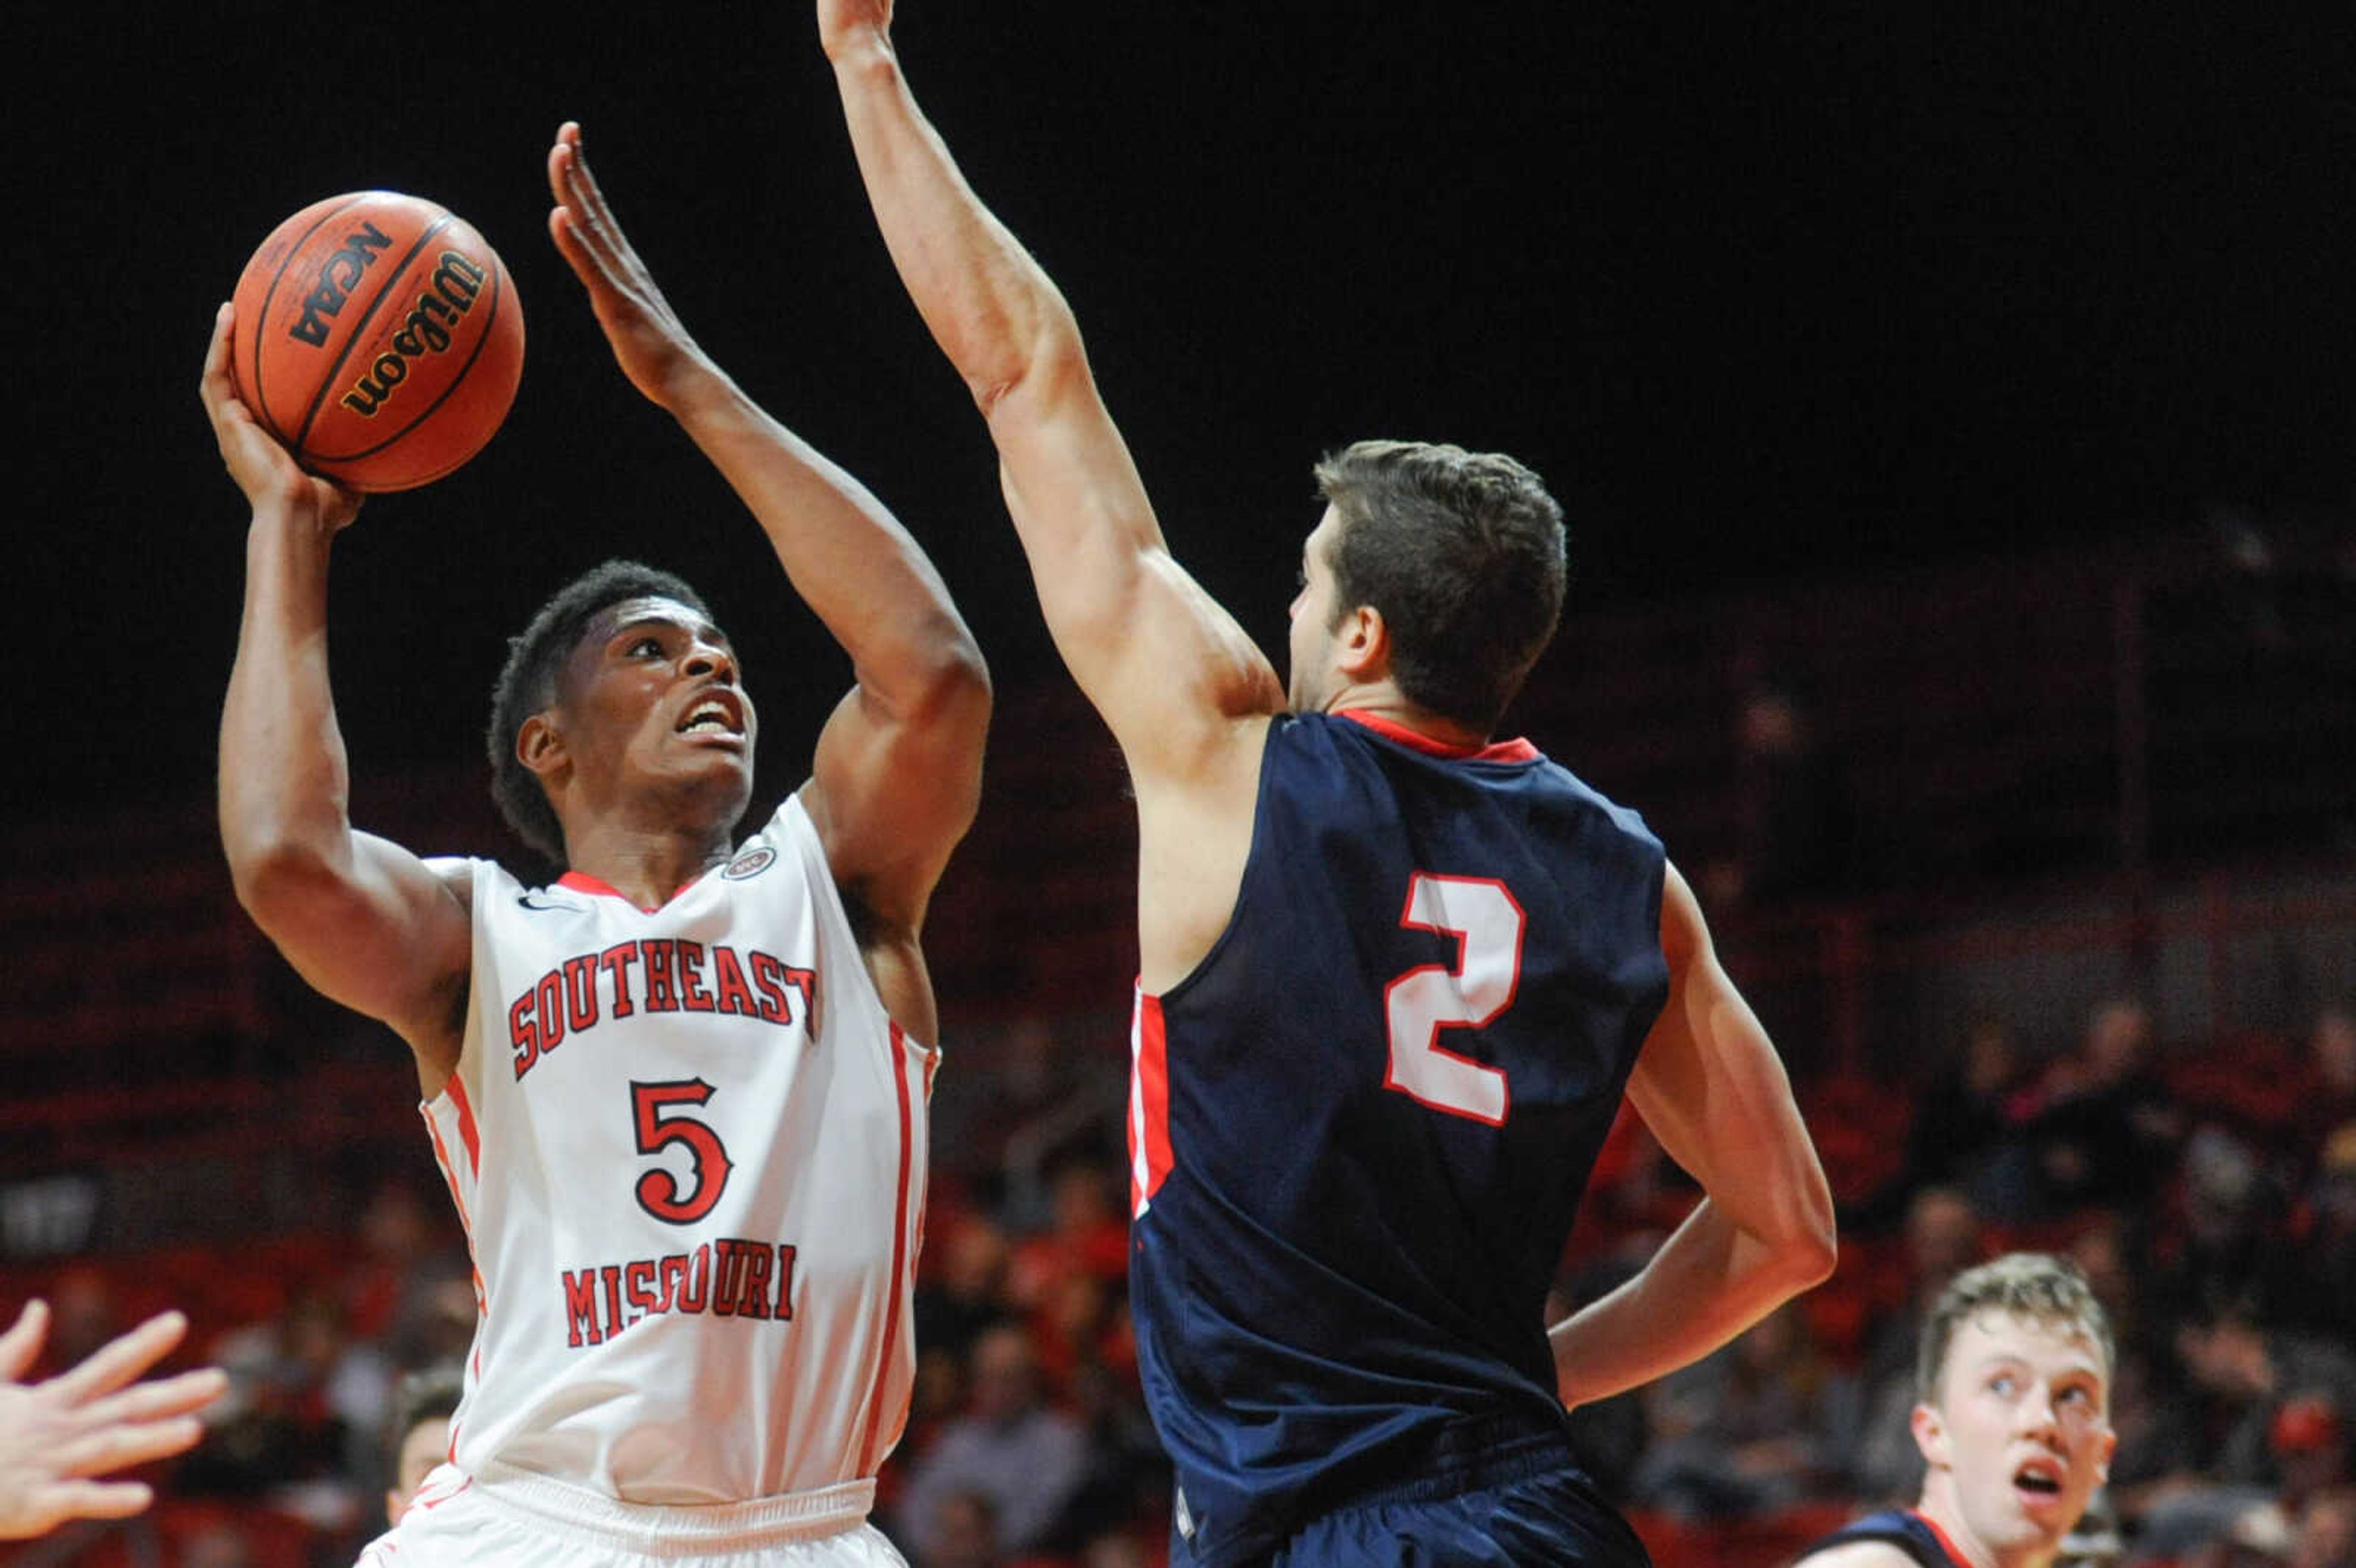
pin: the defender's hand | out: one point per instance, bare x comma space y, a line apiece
653, 348
844, 24
56, 1436
262, 468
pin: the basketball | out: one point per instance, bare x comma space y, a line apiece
378, 337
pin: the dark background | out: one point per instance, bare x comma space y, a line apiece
1764, 299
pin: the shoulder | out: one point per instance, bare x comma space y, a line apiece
1864, 1553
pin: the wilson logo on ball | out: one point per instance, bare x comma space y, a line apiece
425, 331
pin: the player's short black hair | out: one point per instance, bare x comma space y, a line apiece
527, 684
1464, 553
429, 1393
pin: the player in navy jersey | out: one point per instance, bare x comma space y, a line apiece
2012, 1378
1395, 976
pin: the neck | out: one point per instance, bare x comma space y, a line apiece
1387, 702
645, 865
1938, 1506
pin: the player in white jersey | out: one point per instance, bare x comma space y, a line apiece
678, 1093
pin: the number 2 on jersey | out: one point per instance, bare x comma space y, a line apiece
1487, 925
660, 1192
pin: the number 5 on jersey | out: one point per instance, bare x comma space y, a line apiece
1487, 925
658, 1124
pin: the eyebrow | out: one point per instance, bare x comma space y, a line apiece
698, 627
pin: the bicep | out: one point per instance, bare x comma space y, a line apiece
894, 786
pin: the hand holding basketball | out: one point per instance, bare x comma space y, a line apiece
378, 338
653, 348
263, 468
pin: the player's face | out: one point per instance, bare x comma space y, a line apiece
427, 1445
652, 697
2021, 1430
1313, 679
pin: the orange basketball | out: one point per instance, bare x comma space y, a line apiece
378, 337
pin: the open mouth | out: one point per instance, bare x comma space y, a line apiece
2038, 1478
717, 714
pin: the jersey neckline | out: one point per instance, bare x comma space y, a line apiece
1517, 749
583, 882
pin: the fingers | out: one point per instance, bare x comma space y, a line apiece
217, 386
52, 1505
22, 1342
121, 1359
119, 1446
160, 1400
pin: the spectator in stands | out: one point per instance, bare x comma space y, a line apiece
2250, 1382
2325, 1299
1758, 1425
1025, 1457
421, 1432
961, 1533
60, 1438
1964, 1117
1795, 819
2326, 1092
2106, 1127
2014, 1374
2222, 1251
2325, 1533
964, 1291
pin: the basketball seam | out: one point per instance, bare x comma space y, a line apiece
261, 401
335, 372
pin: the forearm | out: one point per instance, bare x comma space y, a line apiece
284, 787
1709, 1281
847, 556
992, 310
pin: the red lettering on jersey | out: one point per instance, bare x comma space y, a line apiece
690, 977
697, 1291
551, 1010
775, 977
754, 1302
638, 1281
659, 953
612, 1275
617, 961
727, 1274
581, 1306
523, 1033
674, 1274
728, 974
784, 1306
580, 992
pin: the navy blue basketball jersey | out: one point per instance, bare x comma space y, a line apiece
1902, 1527
1360, 1129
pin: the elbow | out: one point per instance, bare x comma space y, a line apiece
1810, 1245
279, 877
1038, 370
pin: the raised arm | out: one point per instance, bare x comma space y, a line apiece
1712, 1090
898, 768
1169, 669
360, 918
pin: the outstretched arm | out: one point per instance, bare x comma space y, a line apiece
898, 769
58, 1437
1169, 669
1712, 1090
361, 919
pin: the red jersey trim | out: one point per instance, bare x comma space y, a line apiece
1516, 749
874, 1442
1946, 1542
583, 882
1149, 1103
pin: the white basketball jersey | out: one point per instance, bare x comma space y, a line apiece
687, 1145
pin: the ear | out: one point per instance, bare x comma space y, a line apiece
2103, 1461
1362, 644
1930, 1429
395, 1505
540, 746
